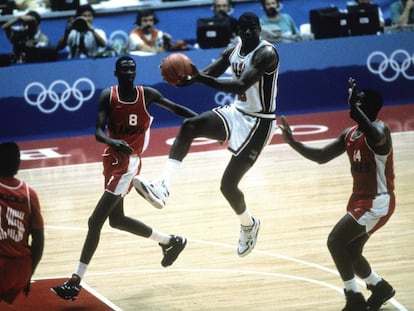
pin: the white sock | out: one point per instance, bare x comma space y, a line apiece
171, 169
352, 285
81, 269
160, 237
246, 218
373, 279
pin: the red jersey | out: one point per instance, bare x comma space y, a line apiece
20, 212
130, 121
372, 173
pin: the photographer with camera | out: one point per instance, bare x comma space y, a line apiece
149, 39
223, 9
27, 39
81, 37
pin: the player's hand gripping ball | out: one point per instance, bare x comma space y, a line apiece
175, 67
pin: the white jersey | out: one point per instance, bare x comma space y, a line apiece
84, 44
260, 98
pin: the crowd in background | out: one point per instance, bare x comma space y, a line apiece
81, 38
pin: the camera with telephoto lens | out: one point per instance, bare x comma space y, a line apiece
79, 24
19, 37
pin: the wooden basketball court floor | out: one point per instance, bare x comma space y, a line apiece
297, 201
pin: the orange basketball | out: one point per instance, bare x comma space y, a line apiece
174, 67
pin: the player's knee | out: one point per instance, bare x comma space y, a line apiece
188, 127
116, 223
332, 243
336, 243
225, 189
230, 192
113, 223
95, 223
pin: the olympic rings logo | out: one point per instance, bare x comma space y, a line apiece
390, 68
223, 99
47, 100
118, 35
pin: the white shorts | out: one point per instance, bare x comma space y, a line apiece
371, 212
245, 131
119, 170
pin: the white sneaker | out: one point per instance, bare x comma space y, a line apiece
156, 193
248, 238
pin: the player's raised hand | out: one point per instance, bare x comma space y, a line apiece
286, 130
352, 92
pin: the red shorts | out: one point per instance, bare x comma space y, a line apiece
14, 275
119, 170
371, 212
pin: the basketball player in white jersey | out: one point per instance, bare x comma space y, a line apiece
369, 148
247, 124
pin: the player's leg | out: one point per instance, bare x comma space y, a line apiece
234, 172
343, 233
381, 290
71, 288
361, 266
373, 213
171, 245
118, 171
246, 143
104, 208
249, 227
118, 220
207, 125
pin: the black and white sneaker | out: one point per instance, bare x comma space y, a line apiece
70, 289
248, 238
380, 294
172, 249
155, 193
354, 301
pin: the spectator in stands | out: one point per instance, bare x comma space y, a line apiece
147, 38
402, 12
223, 9
25, 35
7, 7
277, 26
380, 14
81, 37
31, 4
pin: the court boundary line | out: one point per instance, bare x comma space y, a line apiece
92, 291
393, 301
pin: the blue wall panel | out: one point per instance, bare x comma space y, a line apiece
313, 77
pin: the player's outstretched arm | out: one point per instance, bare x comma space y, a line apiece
154, 96
320, 155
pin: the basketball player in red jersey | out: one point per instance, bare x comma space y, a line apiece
372, 202
247, 124
20, 218
123, 112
